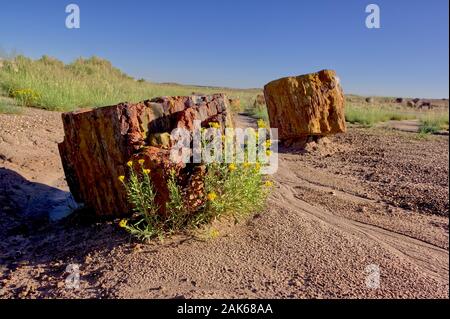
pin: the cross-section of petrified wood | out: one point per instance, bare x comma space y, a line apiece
99, 142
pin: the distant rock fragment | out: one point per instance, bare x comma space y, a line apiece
235, 104
425, 105
259, 101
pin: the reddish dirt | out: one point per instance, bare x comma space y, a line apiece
369, 197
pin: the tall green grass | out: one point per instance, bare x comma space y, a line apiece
431, 121
8, 106
369, 115
259, 112
365, 115
89, 83
434, 122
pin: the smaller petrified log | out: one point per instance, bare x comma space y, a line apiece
311, 104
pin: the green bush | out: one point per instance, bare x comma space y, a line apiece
141, 195
434, 122
234, 190
257, 112
26, 97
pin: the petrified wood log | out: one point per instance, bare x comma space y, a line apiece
99, 142
301, 106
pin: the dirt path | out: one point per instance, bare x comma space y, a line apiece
407, 249
367, 201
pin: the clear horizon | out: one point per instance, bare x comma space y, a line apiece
246, 45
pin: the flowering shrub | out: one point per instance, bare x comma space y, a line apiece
141, 195
234, 189
26, 97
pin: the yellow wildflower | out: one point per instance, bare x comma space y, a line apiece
121, 178
214, 125
212, 196
227, 138
246, 164
214, 233
146, 171
232, 167
257, 166
268, 143
130, 163
123, 223
268, 152
261, 123
141, 161
268, 183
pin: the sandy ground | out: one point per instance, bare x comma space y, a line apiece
370, 199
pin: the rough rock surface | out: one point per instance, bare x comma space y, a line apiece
259, 101
311, 104
99, 142
235, 104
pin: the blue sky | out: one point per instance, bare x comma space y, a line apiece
246, 43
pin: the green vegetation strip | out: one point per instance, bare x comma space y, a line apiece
50, 84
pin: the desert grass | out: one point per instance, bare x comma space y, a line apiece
8, 106
434, 122
50, 84
259, 112
355, 113
370, 115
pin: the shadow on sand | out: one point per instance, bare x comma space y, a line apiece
31, 200
31, 242
34, 234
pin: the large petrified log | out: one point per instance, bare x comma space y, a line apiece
306, 105
99, 142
